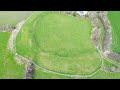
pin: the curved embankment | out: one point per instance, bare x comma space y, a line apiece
102, 30
108, 38
11, 47
85, 75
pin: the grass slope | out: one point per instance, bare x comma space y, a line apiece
59, 43
114, 17
9, 69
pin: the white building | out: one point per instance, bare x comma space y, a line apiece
82, 13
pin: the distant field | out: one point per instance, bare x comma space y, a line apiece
59, 43
13, 17
9, 69
114, 17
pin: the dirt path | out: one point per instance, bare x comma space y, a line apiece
13, 36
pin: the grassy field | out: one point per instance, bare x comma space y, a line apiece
103, 75
13, 17
39, 74
9, 69
56, 42
59, 43
108, 64
114, 17
102, 35
106, 75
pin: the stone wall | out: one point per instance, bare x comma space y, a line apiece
30, 70
95, 34
7, 28
108, 37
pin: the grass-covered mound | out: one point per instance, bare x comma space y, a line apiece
59, 43
114, 17
9, 69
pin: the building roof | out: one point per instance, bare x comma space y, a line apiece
81, 13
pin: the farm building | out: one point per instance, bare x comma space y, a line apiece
82, 13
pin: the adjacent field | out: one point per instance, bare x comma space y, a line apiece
8, 67
59, 43
114, 17
13, 17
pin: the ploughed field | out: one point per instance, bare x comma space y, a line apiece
13, 17
59, 43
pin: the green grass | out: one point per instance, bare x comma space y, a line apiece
103, 75
9, 69
114, 17
102, 35
13, 17
108, 64
39, 74
59, 43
